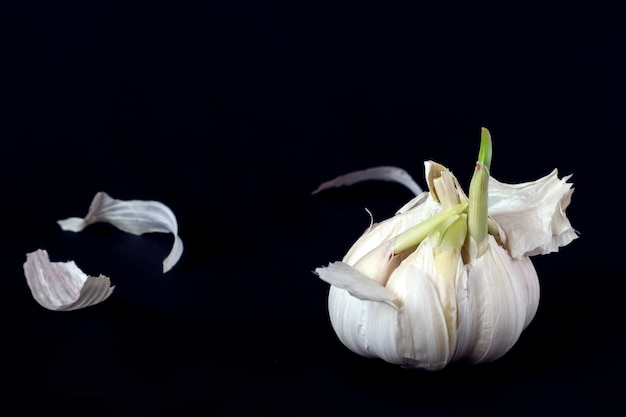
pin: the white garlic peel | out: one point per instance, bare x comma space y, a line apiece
449, 278
132, 216
381, 173
62, 286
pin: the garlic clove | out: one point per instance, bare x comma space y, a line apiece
500, 301
424, 340
370, 329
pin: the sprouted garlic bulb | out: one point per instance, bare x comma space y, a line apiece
449, 277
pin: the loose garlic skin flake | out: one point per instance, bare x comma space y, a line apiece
449, 278
132, 216
63, 286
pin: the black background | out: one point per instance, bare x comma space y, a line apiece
231, 113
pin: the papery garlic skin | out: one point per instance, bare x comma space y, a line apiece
132, 216
439, 302
63, 286
532, 214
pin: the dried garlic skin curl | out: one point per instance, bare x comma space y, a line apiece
63, 286
449, 277
132, 216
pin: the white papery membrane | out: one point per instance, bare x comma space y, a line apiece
382, 173
132, 216
62, 286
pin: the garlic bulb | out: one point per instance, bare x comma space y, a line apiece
449, 278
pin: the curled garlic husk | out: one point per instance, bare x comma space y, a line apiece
63, 286
132, 216
449, 277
